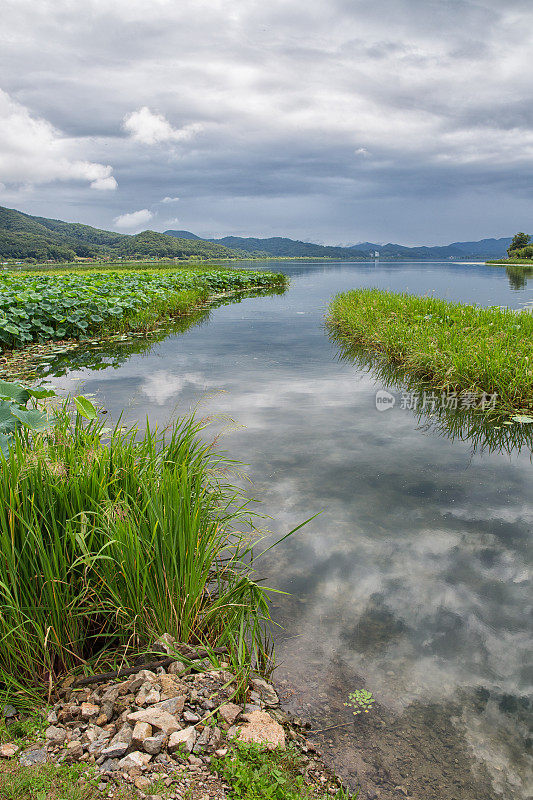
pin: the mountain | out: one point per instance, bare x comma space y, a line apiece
23, 236
483, 249
182, 235
279, 246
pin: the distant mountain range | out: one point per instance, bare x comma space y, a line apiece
23, 236
278, 246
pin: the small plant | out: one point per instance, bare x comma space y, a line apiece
361, 701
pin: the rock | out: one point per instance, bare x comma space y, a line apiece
177, 668
9, 711
222, 752
52, 717
153, 744
165, 644
215, 739
135, 759
157, 718
263, 730
171, 686
172, 706
8, 750
55, 735
229, 712
202, 740
110, 765
106, 711
184, 739
89, 711
31, 757
189, 717
195, 761
142, 782
74, 751
141, 731
112, 693
115, 750
147, 694
145, 675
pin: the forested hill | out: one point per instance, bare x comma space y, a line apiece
280, 246
25, 237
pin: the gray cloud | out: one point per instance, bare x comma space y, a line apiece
266, 107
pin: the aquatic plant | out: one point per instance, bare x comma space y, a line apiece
109, 538
360, 701
454, 348
39, 307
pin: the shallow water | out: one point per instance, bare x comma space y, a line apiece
414, 580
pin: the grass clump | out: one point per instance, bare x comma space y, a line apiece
108, 539
451, 347
52, 782
255, 773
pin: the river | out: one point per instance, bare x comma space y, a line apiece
414, 579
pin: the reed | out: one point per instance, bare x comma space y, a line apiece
111, 538
450, 347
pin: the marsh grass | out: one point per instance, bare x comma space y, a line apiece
450, 347
111, 538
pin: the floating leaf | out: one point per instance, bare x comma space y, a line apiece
523, 418
14, 392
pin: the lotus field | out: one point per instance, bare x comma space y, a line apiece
38, 307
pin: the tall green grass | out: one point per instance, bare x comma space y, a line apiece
109, 539
451, 347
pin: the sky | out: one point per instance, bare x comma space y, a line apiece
333, 121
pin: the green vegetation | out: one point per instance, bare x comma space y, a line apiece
360, 701
255, 773
520, 251
109, 539
49, 782
465, 350
37, 307
25, 237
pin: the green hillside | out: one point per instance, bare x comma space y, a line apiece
25, 237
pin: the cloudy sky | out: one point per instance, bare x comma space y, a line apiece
332, 121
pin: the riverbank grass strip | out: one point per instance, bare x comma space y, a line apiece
449, 347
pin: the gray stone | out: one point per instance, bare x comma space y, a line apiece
266, 692
165, 644
190, 717
177, 668
157, 718
153, 744
109, 765
173, 706
184, 739
31, 757
202, 741
55, 735
133, 760
141, 731
114, 750
74, 751
9, 711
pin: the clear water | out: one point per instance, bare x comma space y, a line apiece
414, 580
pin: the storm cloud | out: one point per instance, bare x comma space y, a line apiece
336, 121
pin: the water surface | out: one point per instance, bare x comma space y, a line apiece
414, 579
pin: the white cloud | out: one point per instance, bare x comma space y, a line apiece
32, 151
170, 199
133, 220
148, 128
